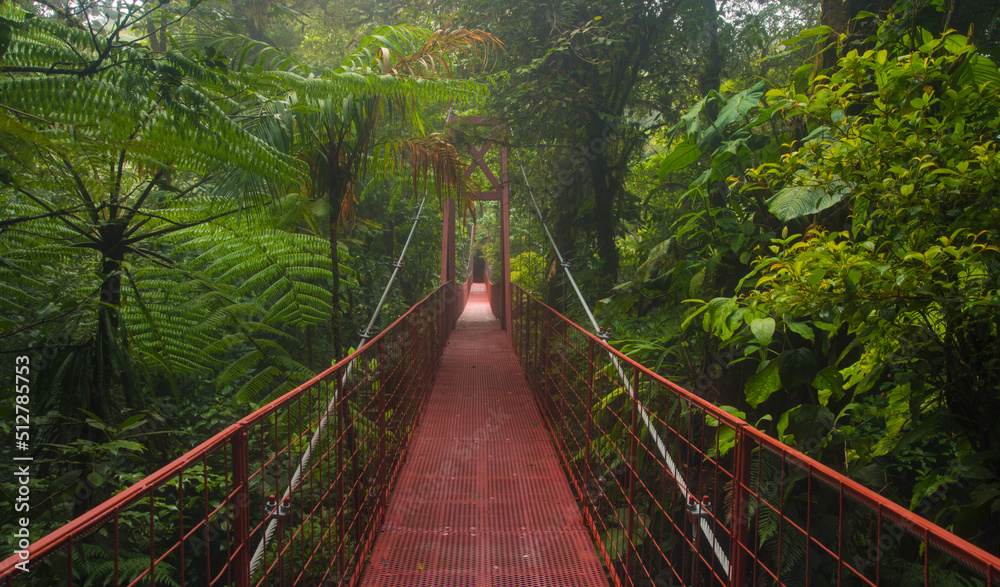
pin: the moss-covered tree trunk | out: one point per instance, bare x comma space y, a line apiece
839, 15
338, 184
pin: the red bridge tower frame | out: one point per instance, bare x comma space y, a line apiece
499, 191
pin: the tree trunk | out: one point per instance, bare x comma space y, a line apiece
606, 187
337, 187
839, 15
111, 365
711, 78
563, 233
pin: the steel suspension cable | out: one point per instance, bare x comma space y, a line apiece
644, 414
472, 249
397, 265
365, 336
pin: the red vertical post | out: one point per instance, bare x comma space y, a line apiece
525, 301
537, 359
241, 497
591, 392
341, 471
448, 242
443, 317
633, 453
505, 215
382, 475
741, 510
545, 361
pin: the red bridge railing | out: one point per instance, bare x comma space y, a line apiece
676, 491
494, 293
202, 519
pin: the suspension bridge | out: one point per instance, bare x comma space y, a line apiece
483, 439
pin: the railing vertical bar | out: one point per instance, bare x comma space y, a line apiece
633, 473
809, 500
539, 330
545, 360
840, 534
263, 491
381, 477
781, 518
231, 532
341, 502
522, 343
559, 408
296, 546
315, 418
116, 548
69, 562
180, 506
588, 432
289, 471
878, 552
741, 509
152, 536
355, 455
241, 476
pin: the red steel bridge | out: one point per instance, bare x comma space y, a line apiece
483, 439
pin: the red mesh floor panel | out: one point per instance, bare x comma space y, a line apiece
481, 500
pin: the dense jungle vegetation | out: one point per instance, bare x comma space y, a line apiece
788, 206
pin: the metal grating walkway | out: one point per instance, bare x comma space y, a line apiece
481, 500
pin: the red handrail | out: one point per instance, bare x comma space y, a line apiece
779, 516
493, 293
207, 509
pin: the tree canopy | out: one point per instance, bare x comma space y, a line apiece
789, 206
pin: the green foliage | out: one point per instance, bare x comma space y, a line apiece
895, 306
836, 245
528, 270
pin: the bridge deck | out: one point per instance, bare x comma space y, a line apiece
482, 500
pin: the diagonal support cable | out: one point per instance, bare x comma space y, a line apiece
366, 336
706, 528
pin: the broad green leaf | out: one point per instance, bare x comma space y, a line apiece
716, 319
809, 33
830, 383
801, 200
796, 366
806, 426
729, 410
739, 105
763, 383
763, 330
978, 70
802, 329
132, 422
725, 441
820, 134
681, 156
692, 120
614, 543
734, 110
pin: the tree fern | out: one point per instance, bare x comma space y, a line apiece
130, 149
98, 568
241, 275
